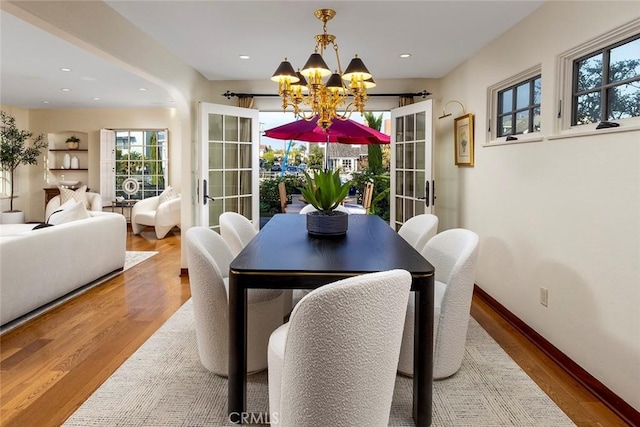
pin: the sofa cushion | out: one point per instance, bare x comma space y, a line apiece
168, 194
80, 195
71, 211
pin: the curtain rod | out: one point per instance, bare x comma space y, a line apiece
230, 95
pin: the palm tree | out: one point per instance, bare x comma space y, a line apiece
374, 151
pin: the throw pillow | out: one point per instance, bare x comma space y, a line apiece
70, 211
168, 194
80, 195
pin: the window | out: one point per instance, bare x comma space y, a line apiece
142, 156
606, 83
519, 108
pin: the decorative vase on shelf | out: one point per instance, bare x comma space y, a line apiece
66, 161
75, 164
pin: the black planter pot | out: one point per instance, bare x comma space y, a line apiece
327, 225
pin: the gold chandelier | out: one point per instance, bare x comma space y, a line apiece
323, 98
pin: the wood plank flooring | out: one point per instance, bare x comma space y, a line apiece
52, 364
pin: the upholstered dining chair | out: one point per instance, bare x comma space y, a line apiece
454, 254
418, 230
334, 363
208, 259
236, 230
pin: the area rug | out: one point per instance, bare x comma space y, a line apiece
132, 258
164, 384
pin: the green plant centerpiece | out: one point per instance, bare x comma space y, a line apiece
325, 192
14, 150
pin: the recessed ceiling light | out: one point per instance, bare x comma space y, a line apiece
244, 57
65, 69
95, 98
65, 89
405, 55
45, 102
143, 88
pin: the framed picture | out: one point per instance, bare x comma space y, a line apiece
463, 130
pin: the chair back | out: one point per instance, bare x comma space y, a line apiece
454, 254
367, 194
342, 349
282, 192
208, 258
236, 230
418, 230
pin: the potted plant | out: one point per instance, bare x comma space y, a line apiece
13, 153
325, 192
73, 142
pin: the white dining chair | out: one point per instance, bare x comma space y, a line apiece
208, 259
418, 230
454, 255
334, 363
236, 230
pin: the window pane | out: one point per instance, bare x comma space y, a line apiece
231, 155
420, 184
420, 126
399, 129
215, 155
230, 128
245, 156
522, 95
506, 101
399, 213
504, 125
400, 156
408, 151
624, 61
624, 101
588, 108
215, 210
590, 73
420, 155
215, 127
409, 128
399, 183
231, 183
409, 191
522, 122
245, 129
537, 90
536, 119
215, 184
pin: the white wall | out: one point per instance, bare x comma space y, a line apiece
90, 121
561, 213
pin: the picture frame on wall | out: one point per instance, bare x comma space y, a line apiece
463, 131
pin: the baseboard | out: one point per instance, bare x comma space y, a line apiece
184, 272
602, 392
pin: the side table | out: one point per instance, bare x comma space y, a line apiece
122, 205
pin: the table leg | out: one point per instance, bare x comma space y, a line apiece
423, 357
237, 385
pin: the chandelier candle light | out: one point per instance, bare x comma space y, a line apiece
323, 98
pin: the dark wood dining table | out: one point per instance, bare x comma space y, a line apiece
284, 256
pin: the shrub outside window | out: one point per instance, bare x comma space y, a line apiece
606, 83
519, 108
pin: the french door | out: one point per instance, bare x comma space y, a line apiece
228, 164
412, 185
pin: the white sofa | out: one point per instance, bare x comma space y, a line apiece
163, 216
39, 266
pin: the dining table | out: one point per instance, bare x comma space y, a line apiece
284, 256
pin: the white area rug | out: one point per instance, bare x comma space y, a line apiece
164, 384
132, 258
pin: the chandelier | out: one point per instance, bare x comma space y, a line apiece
306, 86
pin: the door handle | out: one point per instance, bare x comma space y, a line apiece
205, 196
426, 192
433, 192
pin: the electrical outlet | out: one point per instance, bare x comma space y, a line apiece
544, 296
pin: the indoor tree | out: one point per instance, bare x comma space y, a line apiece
14, 150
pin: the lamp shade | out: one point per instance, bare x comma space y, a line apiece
335, 83
315, 64
369, 83
285, 72
302, 82
356, 69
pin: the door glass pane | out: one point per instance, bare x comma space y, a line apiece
421, 126
399, 183
230, 128
245, 182
400, 156
399, 129
245, 129
231, 183
245, 207
231, 204
215, 184
409, 131
420, 159
215, 155
408, 208
419, 207
215, 127
215, 209
245, 155
408, 151
230, 155
409, 184
420, 184
399, 211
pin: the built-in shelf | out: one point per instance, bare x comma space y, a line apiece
68, 150
68, 170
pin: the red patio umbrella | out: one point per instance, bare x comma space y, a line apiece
344, 131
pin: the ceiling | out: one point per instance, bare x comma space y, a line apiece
210, 36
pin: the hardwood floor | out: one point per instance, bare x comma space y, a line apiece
52, 364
